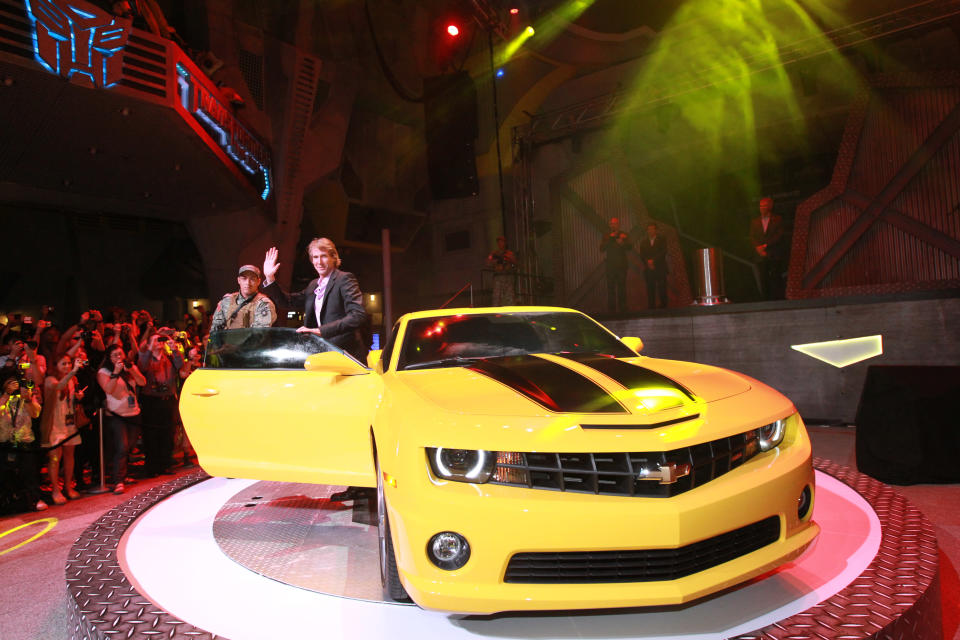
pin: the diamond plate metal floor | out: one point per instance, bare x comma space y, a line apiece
294, 534
893, 594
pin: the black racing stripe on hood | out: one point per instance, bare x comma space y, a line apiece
551, 385
631, 376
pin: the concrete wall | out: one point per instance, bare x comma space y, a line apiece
756, 339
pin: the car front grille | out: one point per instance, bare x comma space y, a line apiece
627, 474
646, 565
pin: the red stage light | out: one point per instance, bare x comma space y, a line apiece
514, 11
453, 30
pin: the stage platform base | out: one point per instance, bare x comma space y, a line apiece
207, 558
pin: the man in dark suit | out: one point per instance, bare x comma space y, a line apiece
653, 250
616, 244
768, 237
332, 302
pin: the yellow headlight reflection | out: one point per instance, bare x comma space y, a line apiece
653, 399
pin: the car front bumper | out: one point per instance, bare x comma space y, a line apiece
500, 521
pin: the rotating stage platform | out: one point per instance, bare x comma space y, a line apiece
204, 557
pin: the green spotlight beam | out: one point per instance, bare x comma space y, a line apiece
545, 29
616, 103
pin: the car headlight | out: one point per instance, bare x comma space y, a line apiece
770, 435
462, 465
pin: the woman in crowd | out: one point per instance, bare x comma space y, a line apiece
119, 379
58, 423
18, 406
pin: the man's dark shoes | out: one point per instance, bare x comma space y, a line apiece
350, 493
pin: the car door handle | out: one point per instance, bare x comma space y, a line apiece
206, 393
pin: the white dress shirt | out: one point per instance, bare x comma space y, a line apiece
321, 290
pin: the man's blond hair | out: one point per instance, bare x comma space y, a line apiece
324, 245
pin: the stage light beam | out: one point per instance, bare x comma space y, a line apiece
453, 30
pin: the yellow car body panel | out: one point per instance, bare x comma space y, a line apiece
292, 426
318, 426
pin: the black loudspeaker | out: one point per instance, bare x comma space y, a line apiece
908, 431
450, 115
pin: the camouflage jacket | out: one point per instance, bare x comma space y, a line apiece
259, 312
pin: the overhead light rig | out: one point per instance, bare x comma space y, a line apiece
490, 18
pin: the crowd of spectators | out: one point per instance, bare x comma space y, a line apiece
58, 384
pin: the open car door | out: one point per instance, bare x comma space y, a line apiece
255, 411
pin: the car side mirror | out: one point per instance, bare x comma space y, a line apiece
633, 343
334, 362
373, 358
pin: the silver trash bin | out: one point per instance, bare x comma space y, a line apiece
709, 267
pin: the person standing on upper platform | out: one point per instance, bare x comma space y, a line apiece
247, 307
768, 237
616, 244
653, 250
332, 302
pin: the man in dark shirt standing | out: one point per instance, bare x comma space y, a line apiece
616, 244
160, 364
653, 250
767, 235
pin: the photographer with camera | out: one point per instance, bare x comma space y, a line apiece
19, 405
143, 327
91, 333
119, 380
160, 363
87, 454
58, 427
30, 366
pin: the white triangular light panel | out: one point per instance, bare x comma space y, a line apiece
841, 353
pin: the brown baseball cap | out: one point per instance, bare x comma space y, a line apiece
250, 267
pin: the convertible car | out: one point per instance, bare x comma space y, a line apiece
524, 458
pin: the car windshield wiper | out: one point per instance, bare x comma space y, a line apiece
456, 361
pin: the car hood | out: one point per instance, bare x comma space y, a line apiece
582, 384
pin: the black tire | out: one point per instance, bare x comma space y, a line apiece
393, 590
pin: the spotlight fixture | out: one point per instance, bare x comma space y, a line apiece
500, 73
453, 30
514, 11
529, 31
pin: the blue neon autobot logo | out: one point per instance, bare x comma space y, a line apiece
238, 143
70, 40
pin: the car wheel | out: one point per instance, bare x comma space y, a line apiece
389, 576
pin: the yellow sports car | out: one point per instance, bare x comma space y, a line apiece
524, 457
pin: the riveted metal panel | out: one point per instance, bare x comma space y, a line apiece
888, 221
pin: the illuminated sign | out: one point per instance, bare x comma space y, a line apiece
236, 141
68, 40
841, 353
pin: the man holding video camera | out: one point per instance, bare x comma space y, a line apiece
160, 363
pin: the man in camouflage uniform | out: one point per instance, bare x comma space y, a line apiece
247, 307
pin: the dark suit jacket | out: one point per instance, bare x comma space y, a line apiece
774, 237
657, 252
342, 315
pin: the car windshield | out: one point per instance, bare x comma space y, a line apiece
457, 340
263, 348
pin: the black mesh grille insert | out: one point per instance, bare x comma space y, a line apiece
656, 474
646, 565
